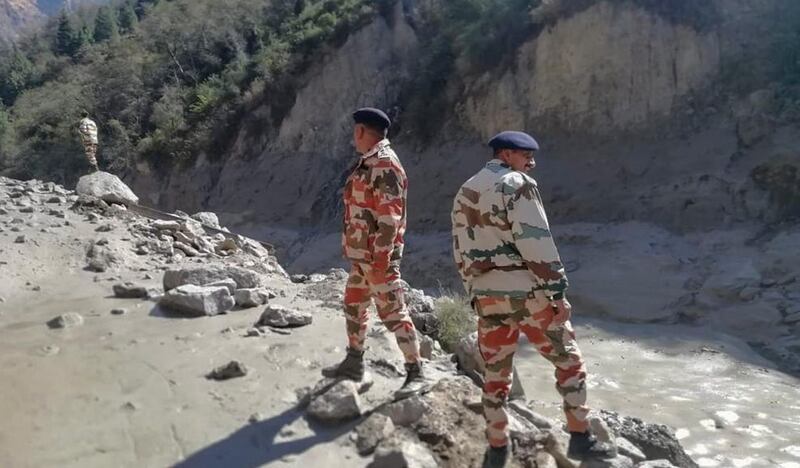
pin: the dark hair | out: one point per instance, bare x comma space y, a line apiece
84, 114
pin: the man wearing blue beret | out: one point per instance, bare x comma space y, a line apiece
372, 241
511, 269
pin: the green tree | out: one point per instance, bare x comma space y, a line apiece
127, 18
105, 25
16, 74
65, 35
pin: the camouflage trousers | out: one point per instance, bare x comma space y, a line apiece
501, 319
386, 289
91, 153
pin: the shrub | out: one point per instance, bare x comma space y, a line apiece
456, 320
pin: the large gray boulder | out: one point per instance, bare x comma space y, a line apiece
340, 403
198, 301
199, 276
281, 317
106, 187
406, 455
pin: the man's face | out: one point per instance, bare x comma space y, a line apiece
519, 160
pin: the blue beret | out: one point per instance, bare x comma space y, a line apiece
372, 117
514, 140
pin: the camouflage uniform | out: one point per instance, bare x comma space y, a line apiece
88, 132
372, 239
510, 266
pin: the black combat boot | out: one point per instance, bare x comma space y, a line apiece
586, 445
495, 457
415, 381
352, 367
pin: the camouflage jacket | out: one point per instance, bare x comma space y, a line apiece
501, 237
88, 131
375, 209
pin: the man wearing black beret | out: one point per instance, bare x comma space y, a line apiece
512, 271
374, 225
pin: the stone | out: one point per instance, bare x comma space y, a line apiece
406, 455
281, 317
105, 228
619, 461
119, 311
600, 430
26, 209
230, 370
165, 225
198, 301
662, 463
101, 258
208, 218
226, 246
525, 412
199, 276
407, 411
187, 249
56, 199
656, 441
748, 293
228, 283
372, 432
298, 278
792, 318
251, 297
129, 291
752, 129
19, 240
425, 346
626, 447
68, 320
545, 460
106, 187
340, 403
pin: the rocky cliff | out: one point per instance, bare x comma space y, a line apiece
632, 107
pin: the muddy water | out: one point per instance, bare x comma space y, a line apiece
730, 407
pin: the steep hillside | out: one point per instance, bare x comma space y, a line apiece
19, 16
15, 16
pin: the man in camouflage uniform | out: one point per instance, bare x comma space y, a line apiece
372, 240
511, 269
88, 132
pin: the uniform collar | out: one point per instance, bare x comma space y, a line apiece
497, 162
379, 146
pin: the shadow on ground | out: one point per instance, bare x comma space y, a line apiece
254, 444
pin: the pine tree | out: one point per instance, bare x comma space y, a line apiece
105, 25
65, 35
15, 76
127, 18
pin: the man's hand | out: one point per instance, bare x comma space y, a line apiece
562, 310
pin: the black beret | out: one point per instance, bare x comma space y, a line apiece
514, 140
372, 117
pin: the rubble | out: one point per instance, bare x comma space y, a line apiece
281, 317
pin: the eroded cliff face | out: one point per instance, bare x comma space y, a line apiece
624, 101
16, 15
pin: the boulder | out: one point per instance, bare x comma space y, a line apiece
199, 276
68, 320
230, 370
340, 403
407, 411
106, 187
656, 464
228, 283
656, 441
129, 291
208, 218
626, 447
281, 317
405, 455
198, 301
372, 432
251, 297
